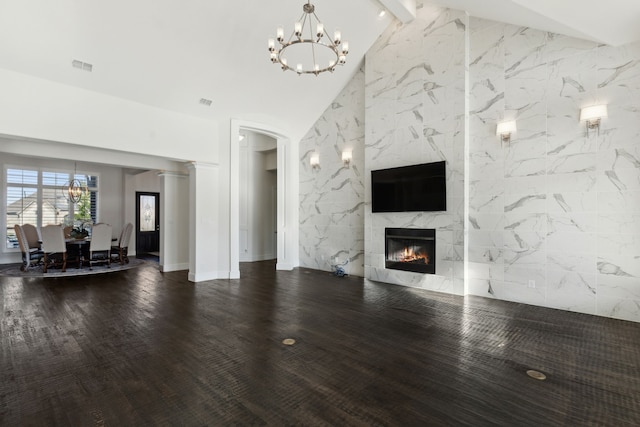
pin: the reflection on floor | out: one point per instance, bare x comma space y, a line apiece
151, 256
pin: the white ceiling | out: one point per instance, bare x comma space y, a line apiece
171, 53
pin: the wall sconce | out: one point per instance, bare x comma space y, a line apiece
346, 157
592, 115
505, 129
314, 161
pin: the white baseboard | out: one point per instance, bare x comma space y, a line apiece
212, 275
174, 267
284, 266
201, 277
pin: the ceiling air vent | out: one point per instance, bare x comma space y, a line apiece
206, 102
82, 65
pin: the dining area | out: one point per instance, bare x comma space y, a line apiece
76, 196
56, 247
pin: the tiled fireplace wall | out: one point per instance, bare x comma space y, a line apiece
415, 113
553, 216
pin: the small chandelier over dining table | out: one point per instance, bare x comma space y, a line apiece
310, 47
73, 190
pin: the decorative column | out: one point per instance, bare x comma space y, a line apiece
288, 192
203, 221
174, 217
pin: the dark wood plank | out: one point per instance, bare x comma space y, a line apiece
140, 347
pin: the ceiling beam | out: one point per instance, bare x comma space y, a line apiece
404, 10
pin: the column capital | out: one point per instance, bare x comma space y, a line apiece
202, 165
173, 174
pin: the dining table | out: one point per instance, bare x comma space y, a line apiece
76, 248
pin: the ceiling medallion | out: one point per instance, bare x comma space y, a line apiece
309, 47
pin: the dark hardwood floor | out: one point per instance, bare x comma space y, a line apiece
140, 347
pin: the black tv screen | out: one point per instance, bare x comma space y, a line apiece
409, 188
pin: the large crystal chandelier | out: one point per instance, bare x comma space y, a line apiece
310, 47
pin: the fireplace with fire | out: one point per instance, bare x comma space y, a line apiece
410, 249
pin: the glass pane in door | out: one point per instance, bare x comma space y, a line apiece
147, 213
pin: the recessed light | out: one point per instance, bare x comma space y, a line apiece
205, 101
536, 375
241, 137
382, 13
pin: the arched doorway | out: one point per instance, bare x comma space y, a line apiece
287, 195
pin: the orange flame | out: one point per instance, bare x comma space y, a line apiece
408, 255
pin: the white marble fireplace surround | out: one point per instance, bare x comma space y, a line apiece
550, 219
415, 113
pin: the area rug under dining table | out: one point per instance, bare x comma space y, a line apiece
13, 270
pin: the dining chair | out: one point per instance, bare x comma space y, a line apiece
100, 246
33, 236
30, 256
119, 252
54, 247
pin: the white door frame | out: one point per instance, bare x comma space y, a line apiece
288, 185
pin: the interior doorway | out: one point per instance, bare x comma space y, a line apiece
258, 185
287, 160
147, 223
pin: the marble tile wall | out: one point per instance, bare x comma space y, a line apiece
415, 113
555, 214
332, 196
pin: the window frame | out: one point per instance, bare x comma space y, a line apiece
40, 187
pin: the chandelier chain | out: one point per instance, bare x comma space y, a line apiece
313, 45
334, 51
73, 190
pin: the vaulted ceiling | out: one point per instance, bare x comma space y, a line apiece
612, 22
170, 54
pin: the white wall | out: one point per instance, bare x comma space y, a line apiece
41, 109
174, 221
208, 251
263, 210
110, 202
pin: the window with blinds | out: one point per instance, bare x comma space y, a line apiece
37, 197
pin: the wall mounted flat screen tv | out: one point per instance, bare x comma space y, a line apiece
409, 188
